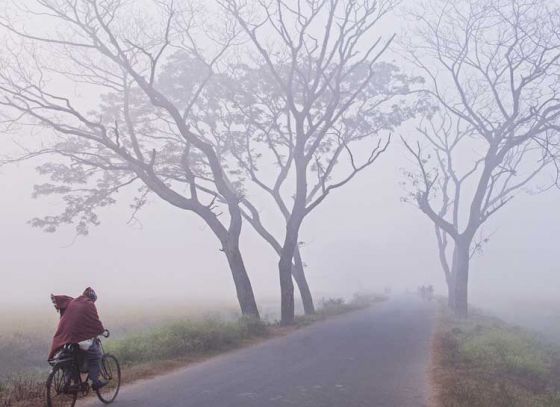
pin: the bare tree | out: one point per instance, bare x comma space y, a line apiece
259, 125
218, 111
493, 73
247, 111
321, 64
139, 135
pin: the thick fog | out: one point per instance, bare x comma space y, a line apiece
362, 238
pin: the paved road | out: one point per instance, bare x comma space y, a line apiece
370, 358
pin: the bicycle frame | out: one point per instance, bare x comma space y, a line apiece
72, 364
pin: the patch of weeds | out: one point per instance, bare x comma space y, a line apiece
182, 338
16, 390
483, 362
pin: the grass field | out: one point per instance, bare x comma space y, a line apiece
26, 334
484, 362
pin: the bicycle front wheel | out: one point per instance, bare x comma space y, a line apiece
61, 391
111, 373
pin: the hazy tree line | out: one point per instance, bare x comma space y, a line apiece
210, 106
492, 68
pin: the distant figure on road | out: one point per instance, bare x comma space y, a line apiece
430, 292
79, 324
426, 292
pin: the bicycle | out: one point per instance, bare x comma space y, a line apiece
66, 383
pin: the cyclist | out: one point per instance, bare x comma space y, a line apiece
79, 323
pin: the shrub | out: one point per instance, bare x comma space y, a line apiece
365, 299
506, 351
184, 338
484, 362
332, 303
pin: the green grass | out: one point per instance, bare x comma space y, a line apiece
182, 338
484, 362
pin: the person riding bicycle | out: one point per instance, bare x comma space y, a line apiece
79, 324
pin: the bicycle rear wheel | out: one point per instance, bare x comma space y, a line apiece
59, 388
111, 373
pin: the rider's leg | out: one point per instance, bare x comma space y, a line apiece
94, 356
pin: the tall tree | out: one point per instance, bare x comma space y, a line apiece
261, 124
140, 134
493, 73
246, 112
316, 71
218, 111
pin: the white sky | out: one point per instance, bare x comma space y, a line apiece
361, 238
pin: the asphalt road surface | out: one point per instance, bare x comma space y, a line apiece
375, 357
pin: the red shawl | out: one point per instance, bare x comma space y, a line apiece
78, 321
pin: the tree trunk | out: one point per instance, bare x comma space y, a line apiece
460, 279
450, 286
243, 286
287, 308
286, 289
301, 281
293, 224
298, 271
450, 294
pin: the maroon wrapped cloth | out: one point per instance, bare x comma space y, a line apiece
78, 321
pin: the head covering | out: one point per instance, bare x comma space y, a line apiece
78, 320
90, 293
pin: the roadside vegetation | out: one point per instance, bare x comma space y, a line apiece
184, 338
484, 362
190, 339
330, 307
175, 344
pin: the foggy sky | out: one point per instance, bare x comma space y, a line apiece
361, 238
